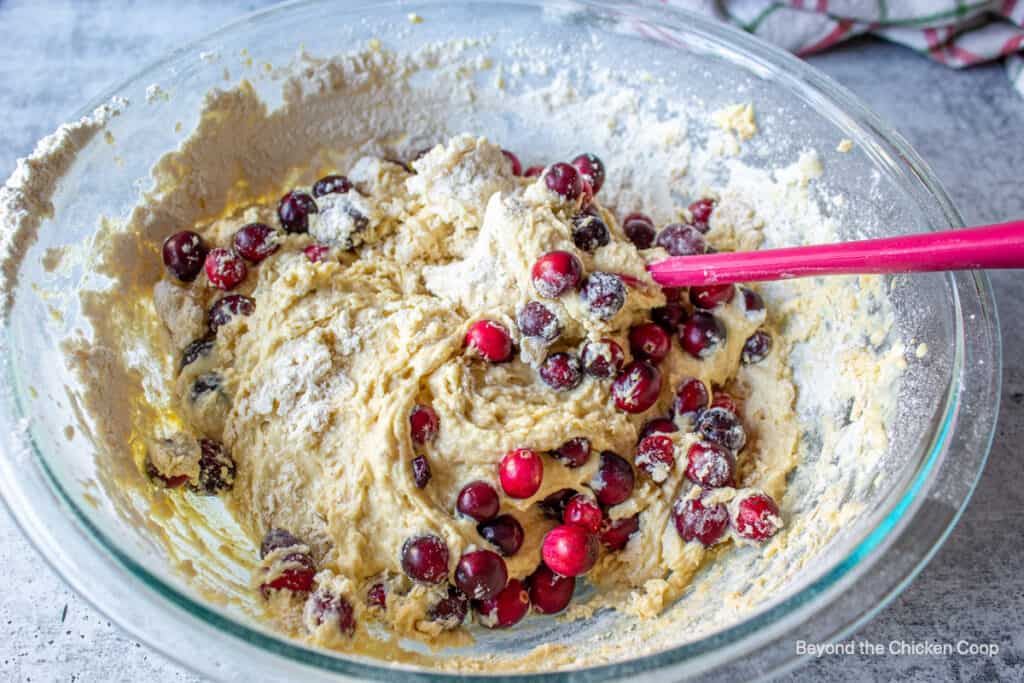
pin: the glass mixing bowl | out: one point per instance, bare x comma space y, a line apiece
940, 439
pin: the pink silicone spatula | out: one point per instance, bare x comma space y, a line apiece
990, 246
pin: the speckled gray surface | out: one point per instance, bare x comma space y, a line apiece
967, 125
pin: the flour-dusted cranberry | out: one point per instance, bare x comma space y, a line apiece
513, 160
317, 253
296, 574
591, 168
563, 180
533, 172
507, 608
478, 500
721, 426
550, 593
573, 453
752, 301
702, 334
604, 294
656, 456
425, 558
679, 239
756, 517
537, 320
710, 465
172, 482
640, 230
757, 347
553, 505
583, 511
727, 401
555, 273
669, 317
450, 611
256, 241
637, 387
196, 350
377, 596
614, 481
569, 550
521, 472
650, 342
615, 534
226, 308
490, 340
183, 255
275, 539
225, 268
561, 371
659, 425
710, 296
698, 522
589, 232
206, 383
691, 397
293, 211
325, 607
423, 424
504, 532
331, 184
421, 473
602, 359
216, 469
701, 211
481, 574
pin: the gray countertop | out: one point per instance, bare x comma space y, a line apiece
967, 125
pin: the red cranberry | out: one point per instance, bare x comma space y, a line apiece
604, 294
195, 350
481, 574
184, 253
640, 230
537, 320
695, 521
450, 611
425, 558
504, 532
569, 550
517, 167
649, 342
691, 398
711, 296
507, 608
227, 308
275, 539
602, 359
589, 232
421, 473
637, 387
710, 465
757, 347
225, 268
561, 371
574, 453
701, 335
316, 253
549, 592
216, 469
701, 211
553, 505
656, 455
478, 500
615, 534
583, 512
331, 184
724, 400
297, 577
752, 301
669, 317
659, 425
563, 180
377, 596
490, 339
614, 481
555, 273
757, 517
256, 241
423, 424
533, 172
681, 240
722, 427
293, 211
521, 472
173, 482
323, 606
591, 168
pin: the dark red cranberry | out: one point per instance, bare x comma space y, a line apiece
507, 608
757, 347
172, 482
225, 268
450, 611
637, 387
569, 550
421, 473
293, 211
204, 384
537, 320
710, 465
296, 576
752, 301
184, 254
591, 168
691, 398
615, 534
701, 211
650, 342
533, 172
377, 596
331, 184
604, 294
724, 400
553, 505
478, 500
561, 371
614, 481
423, 424
702, 334
521, 472
679, 239
589, 232
517, 167
276, 539
583, 511
669, 317
757, 517
656, 455
555, 273
602, 358
550, 593
574, 453
425, 558
196, 350
710, 296
316, 253
323, 606
481, 574
722, 427
256, 241
490, 339
563, 180
216, 468
696, 522
504, 532
227, 308
640, 230
659, 425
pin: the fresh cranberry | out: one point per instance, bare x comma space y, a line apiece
589, 232
297, 576
604, 294
323, 606
637, 387
184, 253
549, 592
507, 608
216, 468
724, 400
478, 500
225, 268
656, 455
423, 424
555, 273
757, 517
591, 168
450, 611
710, 296
640, 230
584, 512
227, 308
563, 180
614, 481
691, 398
421, 473
196, 350
710, 465
533, 172
504, 532
722, 427
517, 167
615, 534
757, 347
569, 550
275, 539
679, 239
481, 574
602, 358
701, 211
331, 184
425, 558
669, 317
574, 453
256, 241
752, 301
561, 371
537, 320
701, 335
659, 425
650, 342
293, 211
553, 505
316, 253
521, 472
490, 339
695, 521
377, 596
